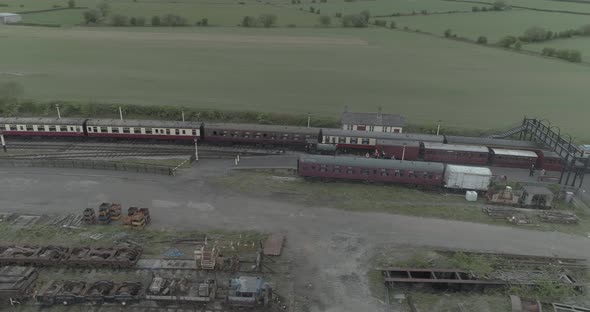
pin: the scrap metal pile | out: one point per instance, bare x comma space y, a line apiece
111, 257
240, 292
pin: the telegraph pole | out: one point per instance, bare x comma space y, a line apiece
438, 128
404, 152
120, 113
196, 150
308, 119
58, 113
182, 111
3, 142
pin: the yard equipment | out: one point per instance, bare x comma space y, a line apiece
104, 213
115, 210
89, 217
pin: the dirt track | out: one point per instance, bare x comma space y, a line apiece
329, 246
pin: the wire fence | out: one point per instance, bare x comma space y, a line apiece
91, 164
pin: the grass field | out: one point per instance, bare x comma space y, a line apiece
386, 7
493, 25
580, 43
295, 70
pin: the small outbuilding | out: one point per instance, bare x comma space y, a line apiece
373, 122
10, 18
536, 197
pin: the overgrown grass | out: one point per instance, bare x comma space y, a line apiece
396, 199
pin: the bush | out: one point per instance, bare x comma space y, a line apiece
204, 21
518, 45
338, 15
424, 12
104, 8
173, 20
474, 9
91, 16
482, 40
392, 24
248, 21
291, 25
354, 20
156, 21
575, 56
484, 9
267, 20
120, 20
380, 23
317, 11
500, 6
311, 9
366, 15
448, 33
71, 4
548, 51
325, 20
585, 30
535, 34
140, 21
133, 21
507, 41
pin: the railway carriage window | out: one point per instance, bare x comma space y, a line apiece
349, 170
89, 129
168, 131
371, 128
258, 134
411, 174
224, 133
102, 129
430, 176
333, 140
157, 131
176, 131
264, 135
214, 132
29, 128
425, 175
349, 127
374, 171
384, 173
312, 167
342, 140
365, 171
52, 128
285, 136
323, 168
148, 130
114, 130
194, 132
246, 134
336, 169
11, 127
384, 129
365, 141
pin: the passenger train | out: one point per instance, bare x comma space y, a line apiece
413, 147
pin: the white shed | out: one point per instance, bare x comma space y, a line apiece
9, 18
467, 178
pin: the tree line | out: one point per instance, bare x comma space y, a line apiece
102, 15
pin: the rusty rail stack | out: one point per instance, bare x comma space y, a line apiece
111, 257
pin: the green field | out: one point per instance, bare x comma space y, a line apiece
298, 71
387, 7
493, 25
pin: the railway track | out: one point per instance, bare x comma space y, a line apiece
60, 150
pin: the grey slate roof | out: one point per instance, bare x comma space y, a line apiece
383, 135
373, 119
261, 128
144, 123
510, 152
41, 121
451, 139
456, 147
373, 163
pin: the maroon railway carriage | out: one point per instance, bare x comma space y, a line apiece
361, 142
372, 170
42, 127
143, 129
270, 135
398, 149
455, 153
513, 158
549, 160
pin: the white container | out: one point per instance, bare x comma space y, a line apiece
471, 196
569, 196
467, 178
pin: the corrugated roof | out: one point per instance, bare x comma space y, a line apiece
383, 135
456, 147
373, 163
451, 139
41, 121
262, 128
541, 190
373, 119
144, 123
471, 170
8, 14
509, 152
